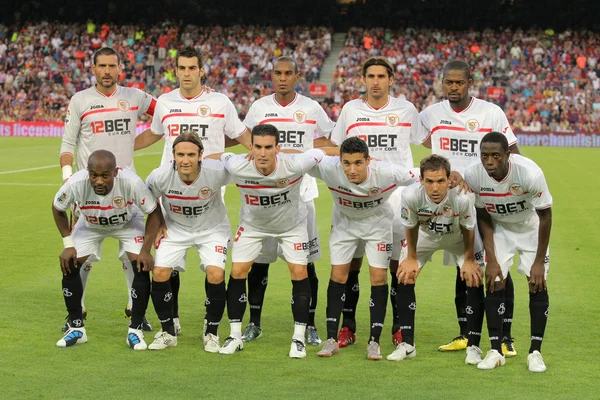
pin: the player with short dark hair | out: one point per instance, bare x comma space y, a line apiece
514, 213
111, 201
455, 127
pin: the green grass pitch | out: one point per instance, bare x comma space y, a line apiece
33, 311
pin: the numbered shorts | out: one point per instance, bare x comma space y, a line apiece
398, 230
88, 241
372, 235
507, 243
211, 244
248, 243
453, 245
271, 249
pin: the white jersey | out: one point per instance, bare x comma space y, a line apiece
95, 121
298, 123
272, 203
210, 114
366, 199
438, 222
511, 202
197, 206
388, 131
110, 211
457, 135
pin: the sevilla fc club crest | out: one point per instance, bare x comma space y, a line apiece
299, 117
123, 105
374, 191
392, 120
282, 183
204, 111
516, 189
119, 202
472, 125
447, 211
205, 193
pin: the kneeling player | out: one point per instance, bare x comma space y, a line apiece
361, 216
108, 198
195, 216
436, 218
514, 213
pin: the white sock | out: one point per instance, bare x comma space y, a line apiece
129, 274
84, 274
236, 330
299, 330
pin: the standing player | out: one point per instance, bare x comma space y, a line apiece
195, 216
105, 117
436, 218
110, 200
269, 187
514, 212
302, 124
192, 107
361, 215
388, 126
455, 127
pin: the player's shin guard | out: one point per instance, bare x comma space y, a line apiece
314, 292
72, 291
494, 312
129, 275
300, 305
140, 295
393, 286
258, 279
162, 298
406, 302
539, 307
236, 300
460, 302
475, 311
352, 294
377, 307
335, 302
509, 304
175, 284
215, 305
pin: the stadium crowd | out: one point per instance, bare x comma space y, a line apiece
551, 80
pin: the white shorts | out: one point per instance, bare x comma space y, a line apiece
454, 246
373, 235
212, 245
249, 242
508, 243
88, 241
451, 260
271, 249
398, 230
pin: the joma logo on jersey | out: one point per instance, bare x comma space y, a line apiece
359, 204
439, 227
112, 220
174, 110
484, 189
461, 145
188, 210
174, 192
270, 115
276, 199
445, 122
176, 129
96, 107
293, 137
94, 202
116, 125
507, 208
344, 189
388, 142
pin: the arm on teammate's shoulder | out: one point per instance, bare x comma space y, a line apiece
514, 149
245, 139
333, 151
290, 151
145, 139
229, 142
323, 142
427, 142
214, 156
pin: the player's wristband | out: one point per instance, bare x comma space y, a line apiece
67, 171
68, 241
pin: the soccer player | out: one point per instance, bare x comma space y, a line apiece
361, 215
195, 216
436, 218
514, 213
192, 107
269, 185
104, 116
302, 125
455, 127
111, 201
388, 126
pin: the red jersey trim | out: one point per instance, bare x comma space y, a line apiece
265, 186
488, 194
103, 110
103, 208
401, 125
360, 195
190, 115
151, 107
182, 197
458, 129
271, 120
